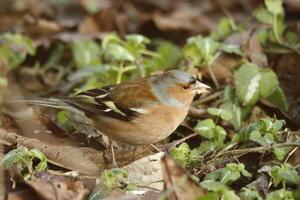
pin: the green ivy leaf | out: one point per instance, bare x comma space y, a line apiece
286, 173
247, 81
209, 130
231, 104
23, 158
222, 113
253, 83
111, 38
109, 179
278, 99
269, 83
262, 14
255, 136
274, 6
118, 53
138, 39
229, 195
19, 42
212, 185
229, 174
115, 177
225, 27
279, 153
209, 196
42, 165
231, 49
280, 195
272, 13
182, 154
86, 53
250, 194
136, 44
205, 128
205, 146
11, 158
14, 49
264, 131
201, 51
219, 188
220, 135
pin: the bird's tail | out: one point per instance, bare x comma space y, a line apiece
77, 116
58, 103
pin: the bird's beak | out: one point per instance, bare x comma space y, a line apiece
201, 88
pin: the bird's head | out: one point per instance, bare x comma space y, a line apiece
177, 87
186, 81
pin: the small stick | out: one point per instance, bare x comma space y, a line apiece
208, 98
290, 154
177, 142
213, 77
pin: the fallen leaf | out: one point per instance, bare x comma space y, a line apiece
180, 185
53, 187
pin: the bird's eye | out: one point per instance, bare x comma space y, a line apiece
186, 87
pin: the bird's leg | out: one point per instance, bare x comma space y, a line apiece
112, 152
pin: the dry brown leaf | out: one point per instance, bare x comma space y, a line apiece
223, 68
184, 18
22, 195
91, 161
146, 172
254, 51
52, 187
180, 185
88, 26
287, 69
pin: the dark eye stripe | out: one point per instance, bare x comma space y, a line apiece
193, 81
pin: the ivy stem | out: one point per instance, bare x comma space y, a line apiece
122, 70
275, 30
141, 68
120, 73
208, 98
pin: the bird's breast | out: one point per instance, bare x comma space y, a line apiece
156, 124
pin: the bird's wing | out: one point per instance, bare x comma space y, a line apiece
125, 101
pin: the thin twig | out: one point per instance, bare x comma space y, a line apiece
261, 149
290, 154
148, 187
208, 98
240, 152
197, 112
213, 77
177, 142
67, 174
295, 50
